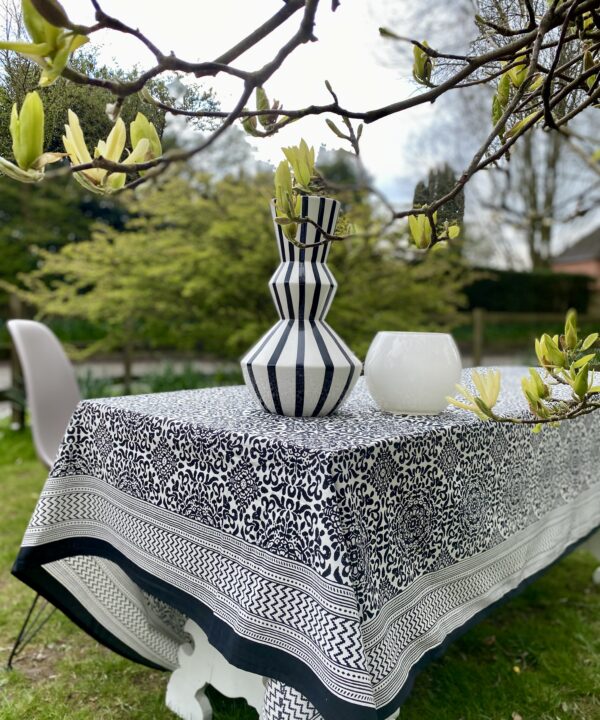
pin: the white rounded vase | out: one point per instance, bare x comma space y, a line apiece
301, 367
412, 373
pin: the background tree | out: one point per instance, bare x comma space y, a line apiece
440, 182
52, 214
189, 270
546, 192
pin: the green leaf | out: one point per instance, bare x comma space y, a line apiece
25, 48
518, 72
589, 341
15, 173
517, 128
496, 110
536, 82
583, 360
262, 104
453, 232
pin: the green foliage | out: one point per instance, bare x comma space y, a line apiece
190, 270
90, 107
537, 291
48, 215
378, 290
294, 177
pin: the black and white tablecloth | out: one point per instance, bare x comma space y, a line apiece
335, 555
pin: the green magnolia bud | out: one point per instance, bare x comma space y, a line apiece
53, 12
571, 330
146, 96
420, 229
142, 128
541, 389
291, 231
283, 190
27, 131
581, 384
262, 103
552, 352
422, 65
335, 129
503, 92
588, 64
302, 161
496, 109
519, 71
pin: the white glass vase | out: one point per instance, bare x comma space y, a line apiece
412, 373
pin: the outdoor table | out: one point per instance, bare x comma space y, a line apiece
333, 556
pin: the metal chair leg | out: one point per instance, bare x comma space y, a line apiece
33, 623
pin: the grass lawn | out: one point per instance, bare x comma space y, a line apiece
537, 658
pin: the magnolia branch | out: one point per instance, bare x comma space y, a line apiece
526, 42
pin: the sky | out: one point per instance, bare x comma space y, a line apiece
349, 53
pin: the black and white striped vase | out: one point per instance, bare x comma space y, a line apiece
301, 367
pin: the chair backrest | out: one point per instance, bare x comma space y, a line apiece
50, 384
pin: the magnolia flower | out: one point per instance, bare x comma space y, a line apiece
488, 387
302, 160
420, 229
98, 180
287, 206
142, 128
51, 45
27, 132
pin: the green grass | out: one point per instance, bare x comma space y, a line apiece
537, 657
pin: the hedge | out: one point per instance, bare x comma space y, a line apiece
537, 291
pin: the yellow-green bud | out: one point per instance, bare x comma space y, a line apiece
27, 131
571, 330
142, 128
581, 384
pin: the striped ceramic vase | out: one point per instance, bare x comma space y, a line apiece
300, 367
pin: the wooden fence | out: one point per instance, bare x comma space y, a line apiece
481, 319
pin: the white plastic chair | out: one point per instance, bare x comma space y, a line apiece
52, 395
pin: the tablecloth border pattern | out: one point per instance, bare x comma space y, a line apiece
245, 654
28, 568
286, 669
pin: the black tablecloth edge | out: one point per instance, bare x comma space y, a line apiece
242, 653
436, 652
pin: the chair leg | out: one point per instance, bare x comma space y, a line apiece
33, 623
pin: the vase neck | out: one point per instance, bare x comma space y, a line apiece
323, 212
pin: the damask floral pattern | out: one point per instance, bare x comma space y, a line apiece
379, 505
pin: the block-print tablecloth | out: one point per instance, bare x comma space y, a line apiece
334, 555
